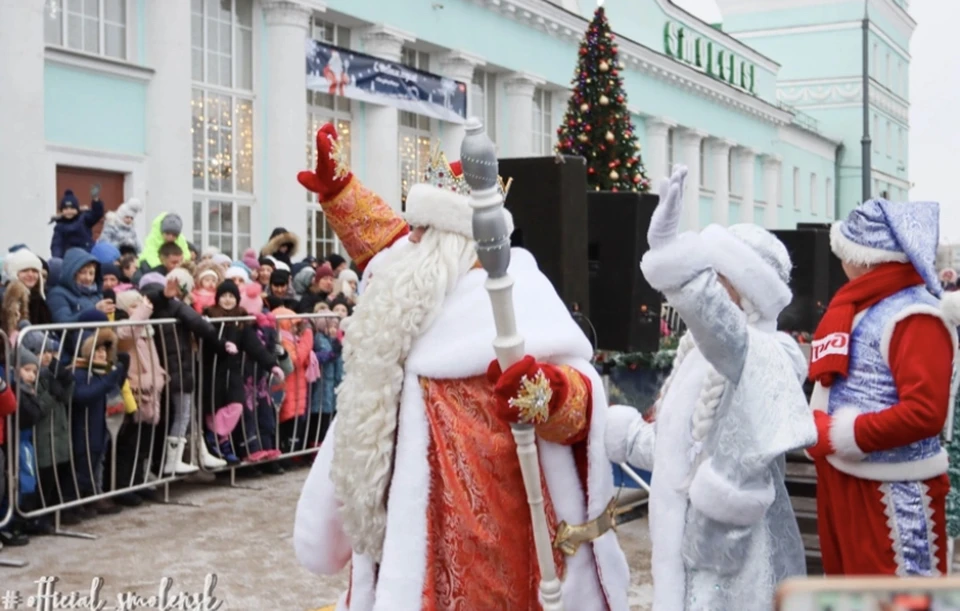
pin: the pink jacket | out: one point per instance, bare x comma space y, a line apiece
146, 376
297, 396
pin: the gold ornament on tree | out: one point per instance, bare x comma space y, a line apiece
604, 100
609, 136
604, 66
584, 107
582, 138
614, 175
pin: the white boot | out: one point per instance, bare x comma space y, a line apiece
208, 460
174, 465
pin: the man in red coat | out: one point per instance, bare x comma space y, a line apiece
883, 363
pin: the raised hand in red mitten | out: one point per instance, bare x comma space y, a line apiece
527, 391
332, 174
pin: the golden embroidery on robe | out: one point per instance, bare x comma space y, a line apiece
568, 422
364, 222
480, 549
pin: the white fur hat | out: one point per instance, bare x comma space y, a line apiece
20, 260
431, 206
132, 207
755, 262
183, 278
235, 272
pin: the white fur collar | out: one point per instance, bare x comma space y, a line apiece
459, 343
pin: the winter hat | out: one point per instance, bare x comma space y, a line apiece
324, 271
755, 262
237, 272
278, 264
268, 261
228, 286
171, 223
152, 278
209, 251
91, 315
442, 201
109, 269
279, 277
301, 282
221, 259
21, 260
26, 357
183, 278
130, 208
105, 252
251, 301
878, 231
34, 342
127, 299
346, 277
335, 260
69, 200
249, 258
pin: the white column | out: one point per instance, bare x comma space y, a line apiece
689, 155
745, 159
519, 89
771, 190
458, 66
383, 122
169, 142
658, 164
27, 205
286, 111
720, 162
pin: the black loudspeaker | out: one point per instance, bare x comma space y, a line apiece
624, 309
549, 205
817, 275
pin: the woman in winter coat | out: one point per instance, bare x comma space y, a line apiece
118, 228
225, 395
73, 228
28, 268
78, 289
282, 246
175, 345
297, 339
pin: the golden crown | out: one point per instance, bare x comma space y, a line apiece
442, 174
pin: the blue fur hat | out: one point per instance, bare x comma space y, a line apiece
879, 231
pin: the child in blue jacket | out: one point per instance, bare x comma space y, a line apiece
73, 228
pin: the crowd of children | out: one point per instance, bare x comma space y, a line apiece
145, 339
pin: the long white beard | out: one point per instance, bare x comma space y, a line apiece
394, 309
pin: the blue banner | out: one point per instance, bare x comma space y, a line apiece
366, 78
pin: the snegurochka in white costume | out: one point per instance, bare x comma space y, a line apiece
418, 482
721, 524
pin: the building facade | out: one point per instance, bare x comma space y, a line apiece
200, 107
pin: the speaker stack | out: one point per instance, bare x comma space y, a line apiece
817, 275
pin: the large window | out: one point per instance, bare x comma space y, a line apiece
900, 148
222, 126
876, 135
483, 100
889, 143
733, 189
671, 150
542, 126
828, 198
415, 134
796, 188
91, 26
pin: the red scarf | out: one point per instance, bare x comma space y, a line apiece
830, 350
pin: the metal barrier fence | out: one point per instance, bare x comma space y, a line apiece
85, 437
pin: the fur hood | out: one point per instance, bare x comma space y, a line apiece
207, 265
279, 238
93, 340
16, 306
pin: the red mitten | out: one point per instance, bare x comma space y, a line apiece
823, 447
527, 391
332, 174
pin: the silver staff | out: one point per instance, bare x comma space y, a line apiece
481, 171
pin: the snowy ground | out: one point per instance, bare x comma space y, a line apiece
242, 535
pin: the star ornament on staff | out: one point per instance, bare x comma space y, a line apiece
480, 169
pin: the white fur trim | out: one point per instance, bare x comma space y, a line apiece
749, 273
621, 420
429, 206
950, 307
676, 263
910, 471
719, 499
842, 435
914, 310
849, 251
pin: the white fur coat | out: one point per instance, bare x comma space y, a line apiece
459, 345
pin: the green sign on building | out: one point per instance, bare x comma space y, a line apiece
708, 57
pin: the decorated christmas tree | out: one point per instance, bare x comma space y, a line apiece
597, 125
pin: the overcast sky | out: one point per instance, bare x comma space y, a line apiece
934, 105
